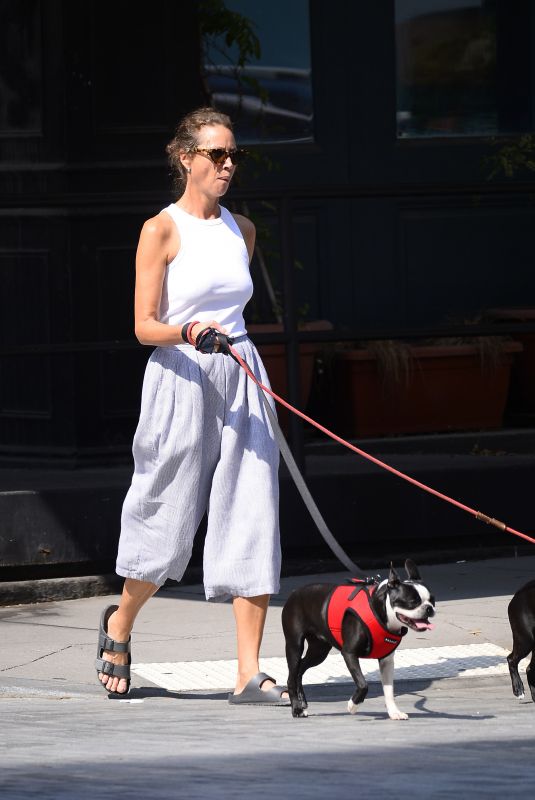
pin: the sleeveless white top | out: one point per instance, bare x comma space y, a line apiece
209, 277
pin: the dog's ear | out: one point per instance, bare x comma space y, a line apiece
393, 578
412, 570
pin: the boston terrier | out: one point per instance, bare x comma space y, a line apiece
521, 611
363, 619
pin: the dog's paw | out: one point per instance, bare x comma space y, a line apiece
520, 695
395, 713
299, 713
351, 707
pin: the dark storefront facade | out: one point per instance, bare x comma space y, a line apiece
382, 206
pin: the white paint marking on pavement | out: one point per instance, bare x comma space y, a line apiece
472, 660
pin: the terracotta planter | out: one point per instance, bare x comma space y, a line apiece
447, 390
274, 358
522, 391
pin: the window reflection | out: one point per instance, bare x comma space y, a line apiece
463, 67
20, 67
270, 100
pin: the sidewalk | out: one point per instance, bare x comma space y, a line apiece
176, 736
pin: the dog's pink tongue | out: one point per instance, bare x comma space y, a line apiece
424, 626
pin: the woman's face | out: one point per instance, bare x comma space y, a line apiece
212, 179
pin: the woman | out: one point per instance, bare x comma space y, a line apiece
203, 440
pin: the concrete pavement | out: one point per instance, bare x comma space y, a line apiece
63, 737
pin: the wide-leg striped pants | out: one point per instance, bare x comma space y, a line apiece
203, 442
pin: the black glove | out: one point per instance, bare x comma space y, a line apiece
208, 338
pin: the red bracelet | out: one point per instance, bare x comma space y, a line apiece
188, 332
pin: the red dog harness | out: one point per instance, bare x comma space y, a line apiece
356, 600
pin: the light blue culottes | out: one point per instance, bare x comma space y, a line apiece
203, 442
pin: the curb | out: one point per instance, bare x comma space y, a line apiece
42, 590
49, 589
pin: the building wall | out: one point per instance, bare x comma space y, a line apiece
389, 232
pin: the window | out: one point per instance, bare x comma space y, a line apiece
463, 67
20, 67
282, 110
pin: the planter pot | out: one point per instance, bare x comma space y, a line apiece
522, 391
274, 358
447, 389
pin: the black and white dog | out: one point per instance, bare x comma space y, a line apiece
363, 619
521, 611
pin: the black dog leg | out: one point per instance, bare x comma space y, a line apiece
353, 666
530, 675
294, 651
521, 648
521, 612
317, 652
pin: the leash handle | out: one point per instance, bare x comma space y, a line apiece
208, 338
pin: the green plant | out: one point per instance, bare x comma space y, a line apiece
232, 36
513, 155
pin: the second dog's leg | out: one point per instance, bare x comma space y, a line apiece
386, 668
521, 648
359, 696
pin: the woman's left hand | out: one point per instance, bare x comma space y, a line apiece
201, 326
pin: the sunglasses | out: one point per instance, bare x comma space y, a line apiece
219, 154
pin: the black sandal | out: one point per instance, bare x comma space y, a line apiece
105, 642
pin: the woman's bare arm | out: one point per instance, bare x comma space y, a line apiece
151, 260
158, 244
248, 231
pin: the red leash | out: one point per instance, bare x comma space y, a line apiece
477, 514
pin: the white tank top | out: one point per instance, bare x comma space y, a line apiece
209, 277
